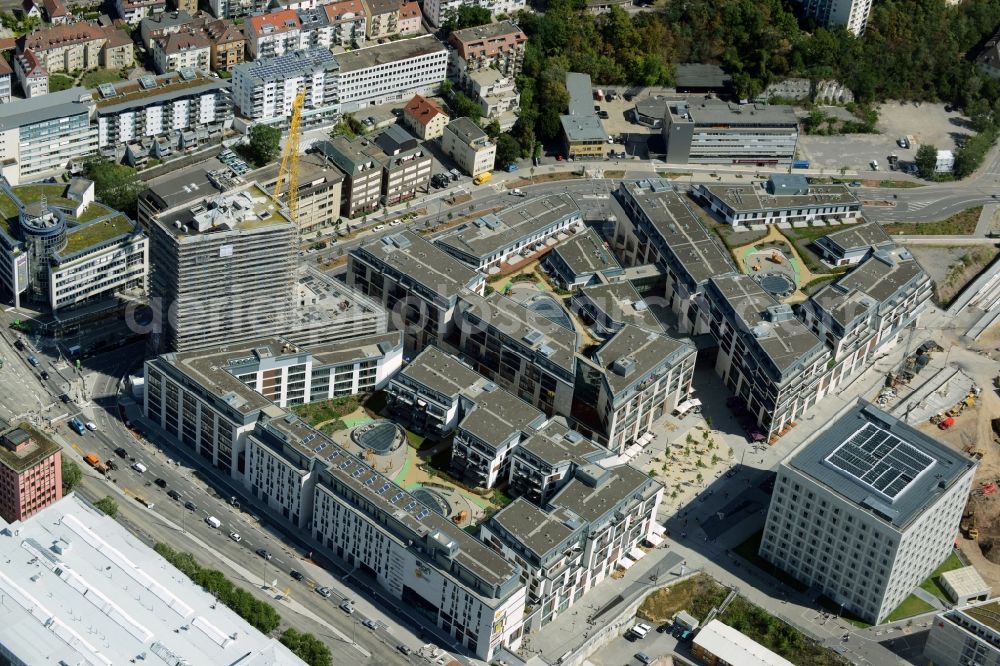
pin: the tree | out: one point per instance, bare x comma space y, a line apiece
926, 160
265, 144
115, 185
493, 129
307, 647
463, 106
71, 475
466, 16
508, 151
107, 505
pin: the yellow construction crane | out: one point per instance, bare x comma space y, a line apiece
289, 169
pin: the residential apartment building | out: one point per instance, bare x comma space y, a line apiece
965, 636
348, 23
410, 18
228, 44
715, 132
319, 192
79, 46
783, 198
863, 313
465, 142
850, 245
497, 95
133, 11
275, 34
593, 526
865, 510
233, 9
182, 50
30, 472
416, 281
40, 137
222, 263
662, 230
438, 395
498, 46
407, 165
31, 74
531, 356
264, 90
6, 81
383, 18
640, 377
438, 11
548, 459
495, 238
608, 308
169, 106
852, 14
775, 366
158, 26
391, 72
580, 260
424, 118
449, 578
362, 165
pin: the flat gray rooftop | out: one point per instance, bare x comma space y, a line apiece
389, 52
411, 255
356, 349
785, 340
533, 528
613, 489
556, 443
716, 113
744, 198
441, 372
498, 414
873, 282
859, 236
880, 464
633, 353
189, 184
492, 233
77, 588
701, 255
585, 252
585, 127
20, 112
622, 303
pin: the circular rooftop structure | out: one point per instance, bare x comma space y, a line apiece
433, 500
777, 284
40, 220
382, 437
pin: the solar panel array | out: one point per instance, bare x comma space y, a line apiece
880, 460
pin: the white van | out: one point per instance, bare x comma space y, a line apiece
640, 630
139, 467
213, 522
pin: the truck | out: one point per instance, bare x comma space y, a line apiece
95, 462
482, 178
800, 164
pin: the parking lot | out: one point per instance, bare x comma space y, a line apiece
623, 650
925, 123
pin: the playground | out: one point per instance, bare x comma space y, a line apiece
776, 266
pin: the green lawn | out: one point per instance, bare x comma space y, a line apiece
99, 76
932, 583
777, 635
912, 605
59, 82
959, 224
748, 551
96, 233
315, 413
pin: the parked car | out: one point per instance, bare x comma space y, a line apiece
263, 552
378, 227
903, 143
297, 575
643, 658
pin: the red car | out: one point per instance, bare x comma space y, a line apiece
559, 158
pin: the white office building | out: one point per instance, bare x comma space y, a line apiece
852, 14
264, 90
865, 510
391, 72
79, 589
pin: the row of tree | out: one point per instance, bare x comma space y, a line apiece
912, 50
258, 613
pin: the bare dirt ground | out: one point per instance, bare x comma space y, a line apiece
951, 267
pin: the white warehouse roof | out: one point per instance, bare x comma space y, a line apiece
79, 589
733, 647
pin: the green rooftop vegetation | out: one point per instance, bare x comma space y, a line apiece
130, 95
94, 211
41, 448
8, 213
29, 194
95, 233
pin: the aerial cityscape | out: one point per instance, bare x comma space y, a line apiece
510, 333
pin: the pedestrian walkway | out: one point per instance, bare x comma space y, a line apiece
986, 220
